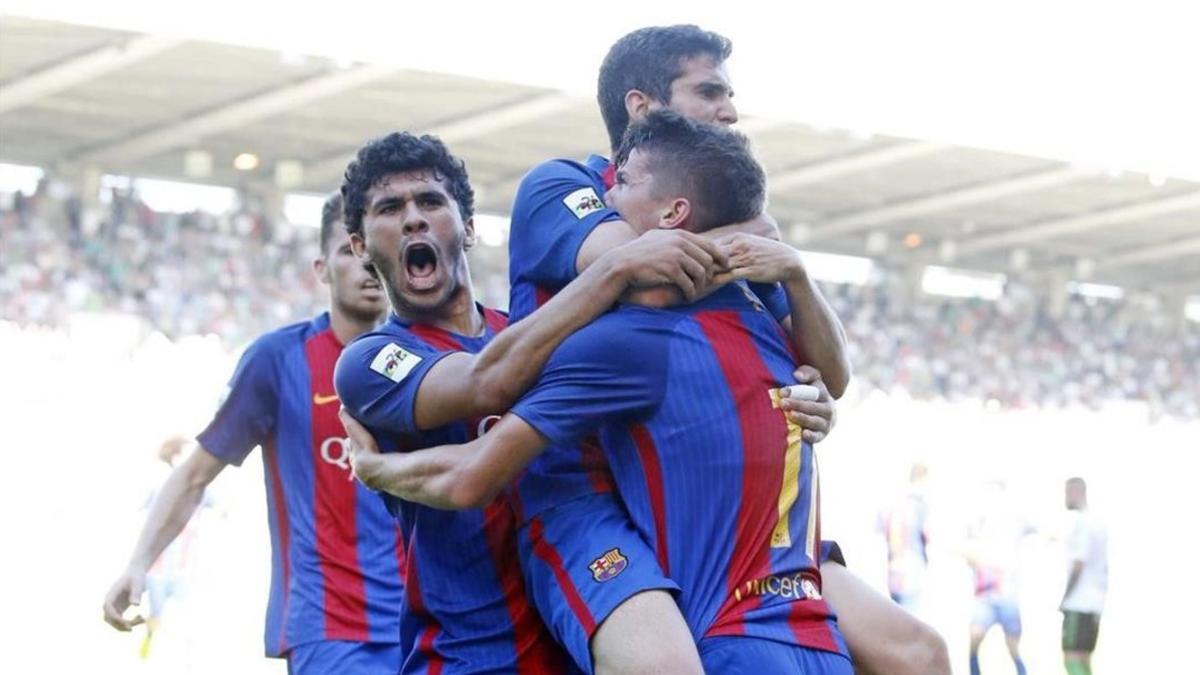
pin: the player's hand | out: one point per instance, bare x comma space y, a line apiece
363, 451
811, 406
759, 259
675, 257
125, 593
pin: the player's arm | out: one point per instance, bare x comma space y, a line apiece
244, 418
173, 506
1073, 578
455, 477
585, 385
816, 331
560, 227
463, 385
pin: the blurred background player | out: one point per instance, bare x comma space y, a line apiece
1087, 581
905, 526
167, 578
336, 583
993, 552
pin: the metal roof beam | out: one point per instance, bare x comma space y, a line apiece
189, 130
80, 69
1081, 223
843, 165
944, 201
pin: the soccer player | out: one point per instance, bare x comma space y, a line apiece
439, 366
719, 485
1087, 581
904, 526
559, 225
337, 558
994, 540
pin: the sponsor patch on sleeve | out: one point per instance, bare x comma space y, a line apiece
394, 363
583, 201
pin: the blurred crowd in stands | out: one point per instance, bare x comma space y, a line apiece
239, 274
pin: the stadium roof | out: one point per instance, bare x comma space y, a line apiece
76, 97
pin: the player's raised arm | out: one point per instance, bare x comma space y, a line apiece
462, 386
173, 506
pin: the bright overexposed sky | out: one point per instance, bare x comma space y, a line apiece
1106, 84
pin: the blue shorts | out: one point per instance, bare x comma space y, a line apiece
581, 560
343, 656
992, 610
755, 656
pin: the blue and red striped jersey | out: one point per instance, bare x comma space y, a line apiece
557, 206
336, 554
466, 609
713, 474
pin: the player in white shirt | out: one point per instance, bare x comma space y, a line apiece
1087, 581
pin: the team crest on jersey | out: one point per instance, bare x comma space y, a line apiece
608, 565
583, 201
394, 363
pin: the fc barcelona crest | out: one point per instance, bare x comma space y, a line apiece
608, 565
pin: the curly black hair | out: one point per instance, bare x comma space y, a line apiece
649, 60
396, 153
711, 165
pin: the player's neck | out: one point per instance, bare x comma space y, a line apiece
458, 315
346, 326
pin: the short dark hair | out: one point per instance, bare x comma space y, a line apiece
331, 215
649, 60
709, 164
396, 153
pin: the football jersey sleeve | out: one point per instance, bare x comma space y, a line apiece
377, 378
773, 298
556, 207
246, 415
608, 372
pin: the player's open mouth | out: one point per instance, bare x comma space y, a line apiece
420, 266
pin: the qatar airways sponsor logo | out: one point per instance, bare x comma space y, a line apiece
336, 451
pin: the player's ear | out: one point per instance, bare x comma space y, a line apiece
677, 214
637, 104
321, 269
470, 240
358, 246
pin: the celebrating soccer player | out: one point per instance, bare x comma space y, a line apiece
336, 553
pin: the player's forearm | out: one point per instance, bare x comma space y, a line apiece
510, 364
456, 477
423, 476
817, 333
173, 506
1073, 578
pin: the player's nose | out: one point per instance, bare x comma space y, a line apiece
414, 221
728, 113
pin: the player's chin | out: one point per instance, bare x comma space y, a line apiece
424, 299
